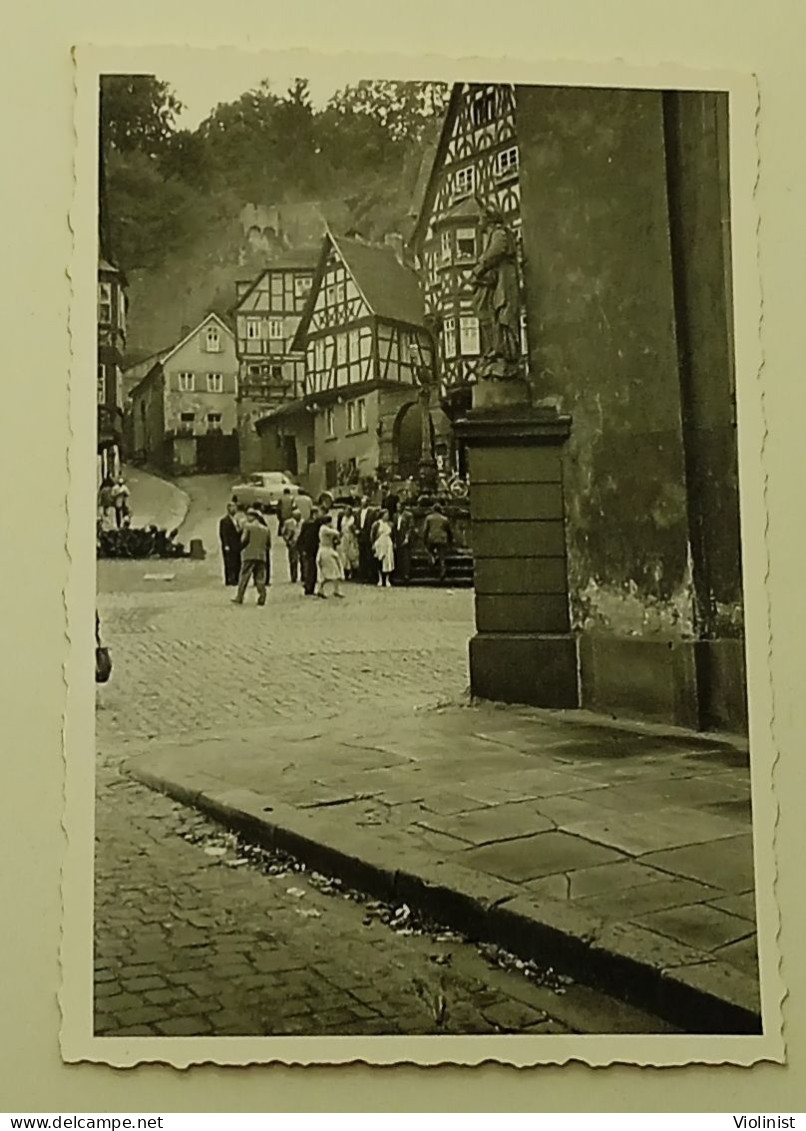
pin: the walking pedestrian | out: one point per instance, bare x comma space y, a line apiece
348, 546
285, 506
120, 500
229, 535
289, 532
403, 526
255, 547
438, 536
106, 504
383, 548
261, 517
328, 563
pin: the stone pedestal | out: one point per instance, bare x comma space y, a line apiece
523, 650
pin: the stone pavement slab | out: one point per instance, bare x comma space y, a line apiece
623, 849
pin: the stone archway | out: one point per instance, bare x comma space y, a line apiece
407, 440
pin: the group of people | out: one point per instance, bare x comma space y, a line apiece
325, 546
114, 503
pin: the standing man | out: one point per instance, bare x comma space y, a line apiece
308, 548
367, 562
229, 535
438, 536
402, 527
289, 532
254, 553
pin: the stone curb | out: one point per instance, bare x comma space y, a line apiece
684, 986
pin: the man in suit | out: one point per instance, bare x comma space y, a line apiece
229, 535
367, 562
402, 528
254, 553
308, 548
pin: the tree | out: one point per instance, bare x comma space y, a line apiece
136, 112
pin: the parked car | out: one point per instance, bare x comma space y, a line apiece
263, 490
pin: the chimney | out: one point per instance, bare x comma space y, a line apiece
395, 241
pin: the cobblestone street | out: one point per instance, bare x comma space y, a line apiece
195, 935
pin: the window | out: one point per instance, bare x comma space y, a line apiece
186, 420
254, 370
353, 340
302, 286
483, 110
214, 421
361, 412
449, 333
253, 329
330, 422
215, 383
319, 355
101, 387
105, 302
187, 383
276, 329
506, 162
469, 336
276, 373
464, 182
445, 248
212, 341
341, 349
466, 243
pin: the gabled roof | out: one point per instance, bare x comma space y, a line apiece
439, 158
304, 259
390, 290
211, 317
165, 355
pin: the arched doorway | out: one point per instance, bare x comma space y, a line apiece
407, 440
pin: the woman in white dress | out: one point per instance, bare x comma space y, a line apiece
348, 547
383, 548
328, 563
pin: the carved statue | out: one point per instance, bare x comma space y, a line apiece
497, 298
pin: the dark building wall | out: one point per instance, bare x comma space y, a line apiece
696, 129
602, 335
626, 238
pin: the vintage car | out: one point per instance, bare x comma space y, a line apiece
263, 490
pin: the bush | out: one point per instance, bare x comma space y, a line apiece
139, 542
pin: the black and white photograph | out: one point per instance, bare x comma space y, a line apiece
423, 564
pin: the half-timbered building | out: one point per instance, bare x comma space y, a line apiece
271, 373
366, 347
112, 305
476, 162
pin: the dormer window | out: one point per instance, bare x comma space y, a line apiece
483, 110
212, 340
464, 182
